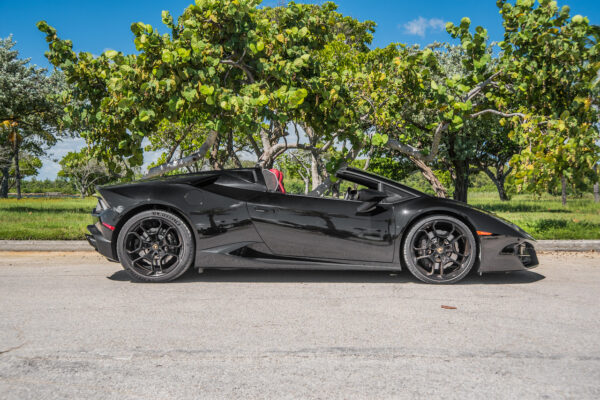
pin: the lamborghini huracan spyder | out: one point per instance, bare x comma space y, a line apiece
243, 218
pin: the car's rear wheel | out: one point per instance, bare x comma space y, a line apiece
155, 246
440, 249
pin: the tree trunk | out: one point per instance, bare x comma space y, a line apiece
17, 170
563, 184
499, 178
500, 186
4, 188
596, 187
461, 188
315, 172
214, 155
438, 187
327, 183
461, 181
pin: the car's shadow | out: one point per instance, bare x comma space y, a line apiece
287, 275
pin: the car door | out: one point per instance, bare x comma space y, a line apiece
315, 227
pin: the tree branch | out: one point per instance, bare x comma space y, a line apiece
240, 66
477, 89
416, 153
327, 145
327, 183
496, 112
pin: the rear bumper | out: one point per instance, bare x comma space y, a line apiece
507, 253
100, 243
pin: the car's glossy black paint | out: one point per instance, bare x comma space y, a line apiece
238, 223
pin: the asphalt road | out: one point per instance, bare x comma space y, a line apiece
73, 326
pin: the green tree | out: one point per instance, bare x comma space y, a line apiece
225, 62
28, 113
481, 144
546, 79
29, 166
401, 99
85, 172
494, 152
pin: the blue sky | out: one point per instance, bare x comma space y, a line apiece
98, 25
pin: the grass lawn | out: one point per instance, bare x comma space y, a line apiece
544, 218
45, 218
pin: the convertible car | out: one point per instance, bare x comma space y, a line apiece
243, 218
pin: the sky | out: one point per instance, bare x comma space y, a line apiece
96, 26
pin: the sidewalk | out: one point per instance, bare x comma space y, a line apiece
82, 245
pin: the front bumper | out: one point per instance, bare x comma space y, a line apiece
100, 243
507, 253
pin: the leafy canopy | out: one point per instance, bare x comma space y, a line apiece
225, 62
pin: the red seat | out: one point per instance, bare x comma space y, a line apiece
279, 175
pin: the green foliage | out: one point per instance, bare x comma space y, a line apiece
84, 171
28, 167
226, 63
555, 59
26, 100
391, 168
249, 73
58, 185
29, 114
294, 186
548, 72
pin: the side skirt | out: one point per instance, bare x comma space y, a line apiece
240, 255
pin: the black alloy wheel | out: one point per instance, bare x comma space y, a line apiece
440, 249
155, 246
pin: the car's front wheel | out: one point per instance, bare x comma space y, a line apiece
440, 249
155, 246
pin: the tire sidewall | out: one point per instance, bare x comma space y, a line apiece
187, 251
408, 256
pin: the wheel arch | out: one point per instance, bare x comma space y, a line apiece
461, 217
152, 206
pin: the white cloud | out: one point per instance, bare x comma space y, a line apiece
437, 23
421, 25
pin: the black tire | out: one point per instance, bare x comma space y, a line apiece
155, 246
439, 249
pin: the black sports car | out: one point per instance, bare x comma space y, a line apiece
242, 218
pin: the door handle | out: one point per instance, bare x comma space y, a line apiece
261, 209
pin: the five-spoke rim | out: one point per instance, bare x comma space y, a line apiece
153, 246
441, 249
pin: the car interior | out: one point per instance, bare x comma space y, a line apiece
274, 182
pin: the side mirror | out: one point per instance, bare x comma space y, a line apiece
370, 199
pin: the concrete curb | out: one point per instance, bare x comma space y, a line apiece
82, 245
45, 245
568, 245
